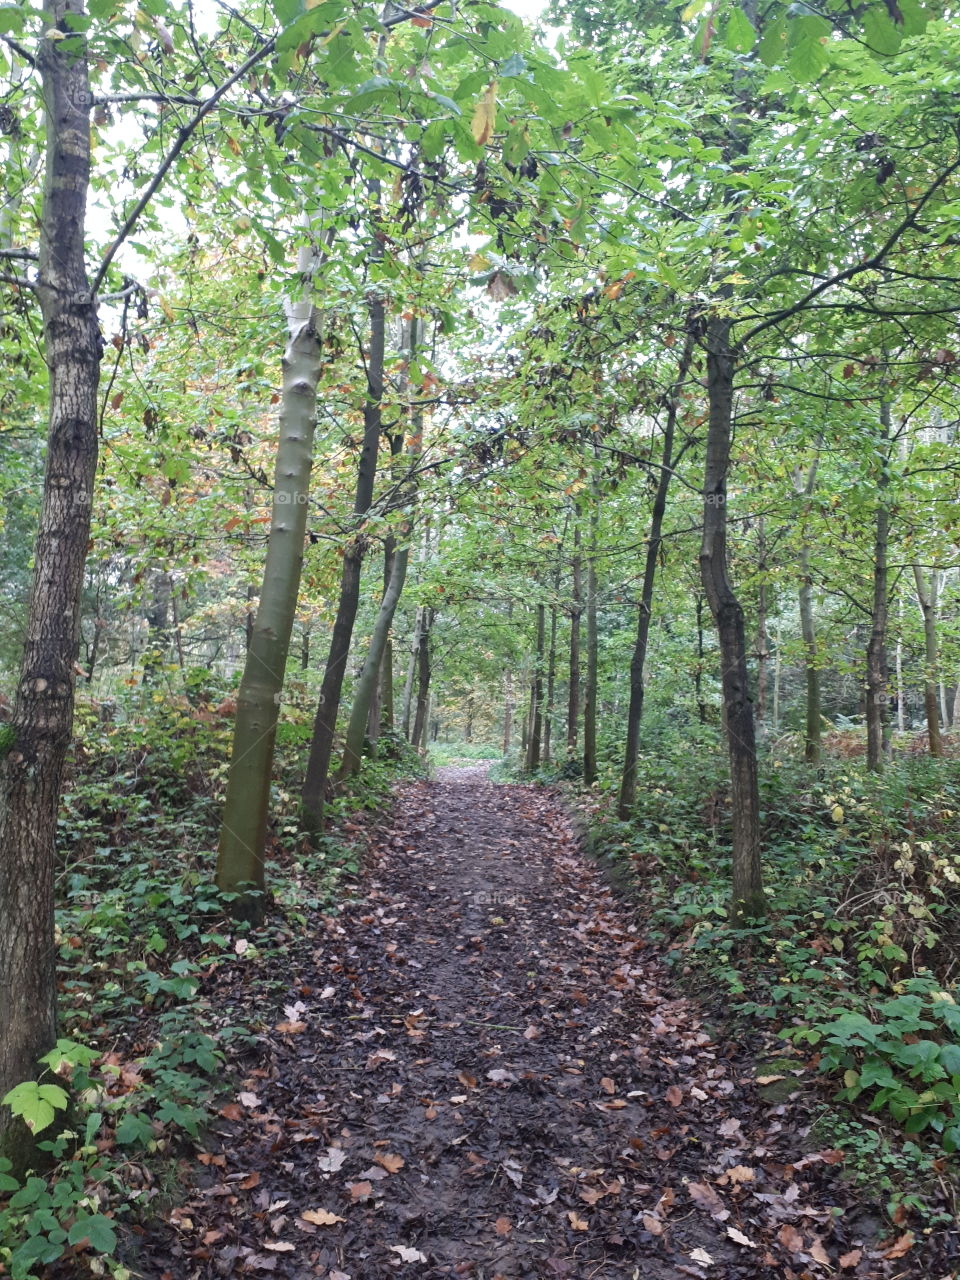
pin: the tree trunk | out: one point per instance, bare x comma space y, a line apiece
576, 611
927, 596
370, 675
877, 700
325, 723
590, 698
423, 682
763, 639
507, 709
411, 677
628, 780
31, 771
243, 831
551, 686
536, 696
747, 881
698, 670
808, 630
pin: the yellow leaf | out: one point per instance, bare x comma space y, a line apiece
578, 1223
836, 813
167, 310
851, 1078
233, 144
321, 1217
485, 115
479, 262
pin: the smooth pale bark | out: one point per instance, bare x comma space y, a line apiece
370, 675
243, 832
418, 738
507, 709
576, 613
927, 597
763, 639
313, 796
747, 896
898, 667
628, 779
31, 771
411, 677
590, 694
536, 696
698, 670
808, 630
877, 700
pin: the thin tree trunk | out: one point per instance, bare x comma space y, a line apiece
747, 882
576, 612
31, 771
901, 692
370, 675
411, 676
551, 686
808, 629
777, 672
325, 723
536, 696
305, 649
877, 700
763, 639
628, 780
698, 671
423, 682
927, 597
590, 698
240, 868
507, 709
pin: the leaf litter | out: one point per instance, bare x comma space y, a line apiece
480, 1069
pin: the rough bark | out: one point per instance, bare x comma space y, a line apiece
31, 772
763, 639
747, 896
590, 694
877, 708
507, 709
808, 630
551, 686
628, 780
243, 832
418, 738
927, 597
534, 741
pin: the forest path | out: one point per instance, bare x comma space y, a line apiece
481, 1072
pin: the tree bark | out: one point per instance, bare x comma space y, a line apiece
763, 639
507, 709
877, 701
808, 629
243, 833
576, 612
927, 597
418, 739
747, 896
31, 771
551, 686
536, 696
313, 796
628, 780
590, 698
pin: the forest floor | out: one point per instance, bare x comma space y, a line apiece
482, 1070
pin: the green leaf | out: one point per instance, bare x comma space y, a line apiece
13, 17
950, 1058
739, 34
515, 65
808, 57
880, 32
95, 1228
36, 1104
773, 43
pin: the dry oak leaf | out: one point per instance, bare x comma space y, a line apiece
701, 1256
674, 1095
279, 1246
739, 1173
248, 1100
900, 1247
652, 1224
360, 1190
818, 1253
769, 1079
407, 1254
578, 1223
790, 1238
468, 1081
608, 1085
321, 1217
705, 1197
729, 1128
503, 1226
850, 1260
739, 1238
391, 1162
290, 1028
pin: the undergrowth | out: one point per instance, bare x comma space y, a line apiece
855, 966
157, 981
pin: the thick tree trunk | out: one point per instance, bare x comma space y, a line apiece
628, 780
747, 883
927, 597
418, 738
243, 831
31, 771
313, 796
590, 698
576, 612
369, 677
877, 707
536, 696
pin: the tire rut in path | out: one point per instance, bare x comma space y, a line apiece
486, 1077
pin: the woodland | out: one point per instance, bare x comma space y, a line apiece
480, 644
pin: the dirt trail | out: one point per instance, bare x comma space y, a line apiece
480, 1072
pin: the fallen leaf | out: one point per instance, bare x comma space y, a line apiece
818, 1253
900, 1247
850, 1260
290, 1028
769, 1079
374, 1173
392, 1163
739, 1173
279, 1246
503, 1226
248, 1099
705, 1197
407, 1254
729, 1127
739, 1238
250, 1181
321, 1217
327, 994
468, 1081
578, 1223
790, 1238
674, 1095
360, 1190
701, 1256
652, 1224
332, 1161
608, 1085
231, 1112
531, 1032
